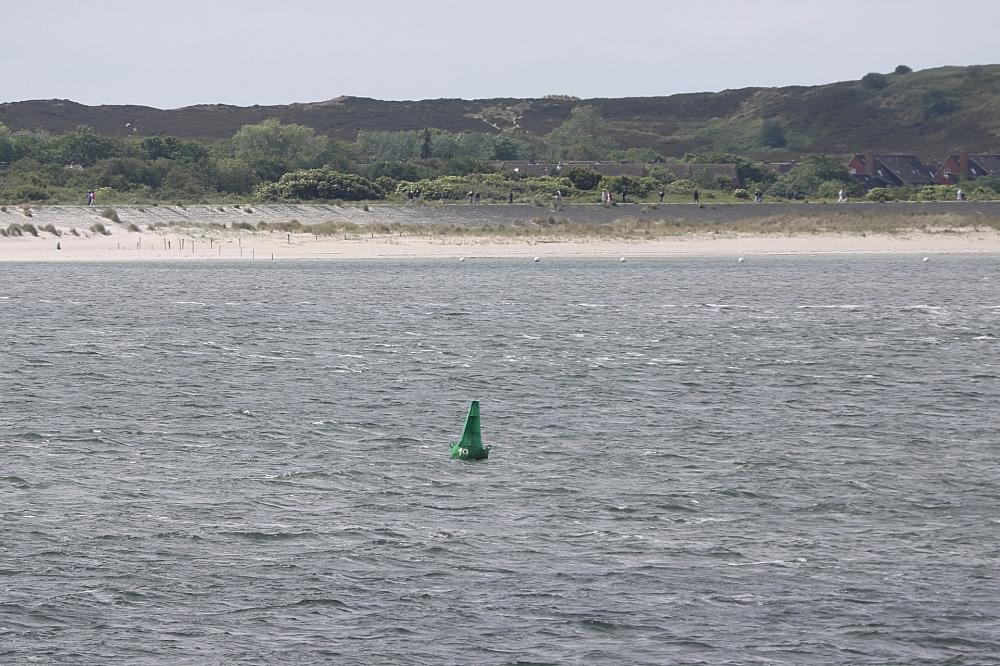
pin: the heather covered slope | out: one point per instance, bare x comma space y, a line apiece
930, 113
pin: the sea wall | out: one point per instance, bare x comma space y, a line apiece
464, 215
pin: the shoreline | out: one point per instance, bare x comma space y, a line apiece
151, 247
223, 233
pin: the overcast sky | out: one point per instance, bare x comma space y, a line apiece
247, 52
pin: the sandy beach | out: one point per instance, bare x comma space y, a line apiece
206, 233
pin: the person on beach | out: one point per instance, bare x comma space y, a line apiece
960, 195
661, 196
696, 196
840, 196
90, 198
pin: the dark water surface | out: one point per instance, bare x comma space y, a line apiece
781, 461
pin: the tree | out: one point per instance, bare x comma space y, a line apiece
272, 148
874, 80
507, 148
582, 179
6, 146
809, 175
583, 136
772, 134
171, 148
426, 147
83, 147
902, 69
229, 174
382, 146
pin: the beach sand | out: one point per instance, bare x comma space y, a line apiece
194, 243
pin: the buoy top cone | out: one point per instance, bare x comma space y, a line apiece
471, 446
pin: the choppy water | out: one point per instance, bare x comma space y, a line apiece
782, 461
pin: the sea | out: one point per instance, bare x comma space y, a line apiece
776, 460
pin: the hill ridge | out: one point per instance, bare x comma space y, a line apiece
930, 112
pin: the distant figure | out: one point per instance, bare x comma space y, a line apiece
470, 195
510, 197
476, 198
623, 196
558, 197
696, 197
90, 198
840, 196
661, 196
960, 195
758, 196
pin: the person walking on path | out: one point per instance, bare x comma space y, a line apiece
696, 197
661, 196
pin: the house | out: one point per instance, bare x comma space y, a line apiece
965, 166
889, 170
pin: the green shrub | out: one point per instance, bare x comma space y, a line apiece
741, 193
132, 227
936, 193
51, 228
14, 230
681, 186
324, 184
99, 228
110, 214
879, 194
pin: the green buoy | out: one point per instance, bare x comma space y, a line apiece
471, 447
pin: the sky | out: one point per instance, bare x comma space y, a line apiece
246, 52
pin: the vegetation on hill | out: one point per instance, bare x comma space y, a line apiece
352, 149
